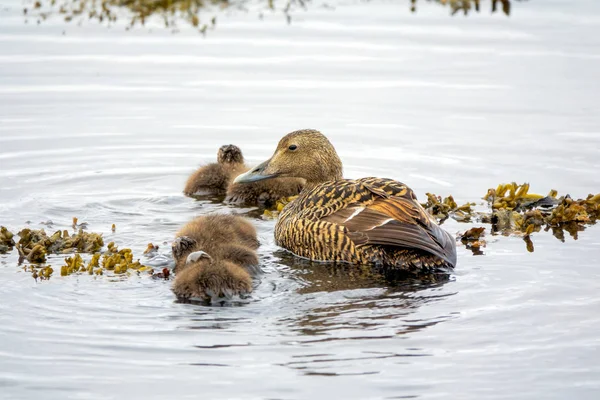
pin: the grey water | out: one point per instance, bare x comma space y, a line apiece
105, 125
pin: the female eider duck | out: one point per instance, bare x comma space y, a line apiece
216, 178
373, 221
215, 257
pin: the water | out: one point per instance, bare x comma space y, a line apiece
106, 125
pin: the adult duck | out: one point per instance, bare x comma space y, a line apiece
374, 221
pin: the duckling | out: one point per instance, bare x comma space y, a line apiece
216, 178
372, 221
215, 256
205, 278
263, 193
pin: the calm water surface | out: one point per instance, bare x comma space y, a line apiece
106, 125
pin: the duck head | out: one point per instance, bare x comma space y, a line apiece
305, 154
229, 154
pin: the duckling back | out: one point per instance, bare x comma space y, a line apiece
263, 193
215, 256
207, 278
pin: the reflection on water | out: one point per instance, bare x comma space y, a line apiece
369, 313
318, 276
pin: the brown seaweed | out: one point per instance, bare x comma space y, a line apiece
513, 210
468, 6
273, 212
516, 211
473, 239
34, 245
6, 240
59, 242
200, 14
117, 261
441, 209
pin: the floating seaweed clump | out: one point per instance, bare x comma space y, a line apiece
510, 196
515, 211
196, 13
35, 244
273, 213
473, 239
115, 260
6, 240
523, 209
151, 249
140, 11
467, 6
41, 272
442, 209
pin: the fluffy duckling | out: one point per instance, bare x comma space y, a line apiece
216, 178
372, 221
264, 193
215, 256
204, 278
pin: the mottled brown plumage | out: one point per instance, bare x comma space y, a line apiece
216, 178
374, 221
215, 256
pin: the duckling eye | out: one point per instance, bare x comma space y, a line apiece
292, 147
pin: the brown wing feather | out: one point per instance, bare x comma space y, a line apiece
397, 221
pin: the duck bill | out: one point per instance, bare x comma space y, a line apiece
255, 174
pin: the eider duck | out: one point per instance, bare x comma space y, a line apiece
372, 221
215, 256
216, 179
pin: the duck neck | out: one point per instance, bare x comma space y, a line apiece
312, 183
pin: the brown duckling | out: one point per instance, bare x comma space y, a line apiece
263, 193
204, 278
216, 178
373, 221
215, 256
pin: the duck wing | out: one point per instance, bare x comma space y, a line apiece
387, 213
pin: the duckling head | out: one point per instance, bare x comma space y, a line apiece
230, 154
305, 154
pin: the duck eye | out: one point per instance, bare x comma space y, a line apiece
293, 147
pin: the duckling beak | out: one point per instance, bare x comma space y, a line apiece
255, 174
195, 256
